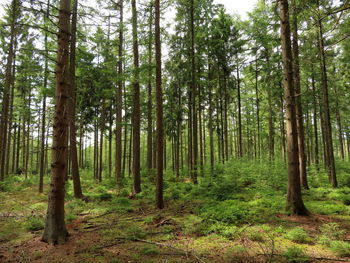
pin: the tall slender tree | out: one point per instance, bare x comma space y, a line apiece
14, 12
72, 105
43, 119
159, 110
295, 203
119, 99
299, 109
55, 228
136, 104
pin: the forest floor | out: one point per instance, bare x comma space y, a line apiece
223, 219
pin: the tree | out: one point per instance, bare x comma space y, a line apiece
43, 120
159, 110
136, 104
329, 153
72, 105
55, 229
119, 100
14, 12
295, 203
299, 110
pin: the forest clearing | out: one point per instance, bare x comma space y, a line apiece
146, 131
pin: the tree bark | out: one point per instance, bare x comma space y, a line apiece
257, 103
7, 88
72, 105
43, 117
240, 141
295, 203
299, 109
194, 99
149, 101
119, 101
55, 229
327, 118
315, 119
136, 104
159, 109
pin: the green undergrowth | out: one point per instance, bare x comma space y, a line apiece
236, 211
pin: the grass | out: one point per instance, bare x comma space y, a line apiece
234, 214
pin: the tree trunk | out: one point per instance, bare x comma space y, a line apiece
55, 229
240, 143
159, 109
10, 125
119, 101
271, 114
72, 105
327, 117
194, 99
102, 128
299, 110
7, 88
295, 203
136, 104
339, 124
149, 91
315, 119
211, 139
257, 103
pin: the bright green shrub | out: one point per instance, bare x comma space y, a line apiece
34, 223
228, 211
340, 248
295, 255
330, 232
298, 234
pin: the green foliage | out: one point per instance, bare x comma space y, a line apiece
256, 236
5, 186
295, 255
76, 206
327, 208
122, 204
228, 211
298, 234
149, 250
70, 217
100, 193
134, 232
236, 254
104, 196
225, 230
346, 200
330, 232
340, 248
194, 225
34, 223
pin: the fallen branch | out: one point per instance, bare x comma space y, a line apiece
332, 259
